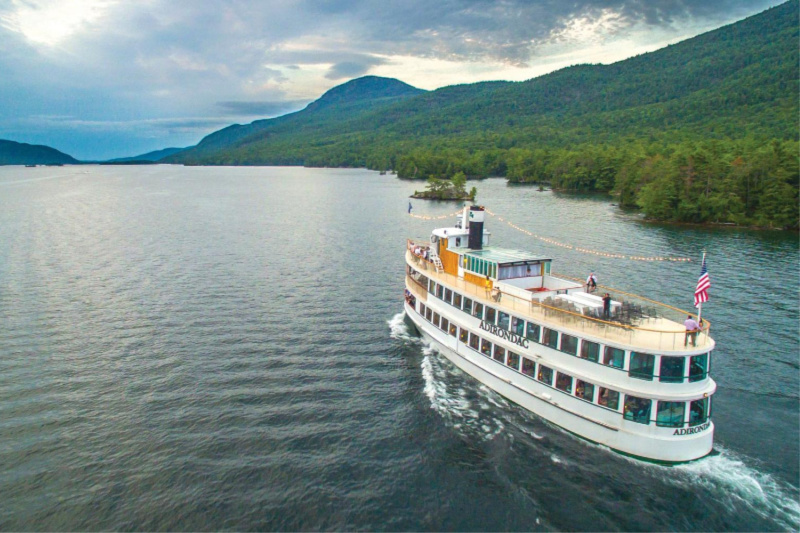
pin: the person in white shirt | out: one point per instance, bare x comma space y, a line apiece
591, 283
692, 327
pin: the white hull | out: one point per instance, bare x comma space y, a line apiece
577, 416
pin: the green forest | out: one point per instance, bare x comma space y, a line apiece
702, 131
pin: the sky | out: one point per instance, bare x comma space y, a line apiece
99, 79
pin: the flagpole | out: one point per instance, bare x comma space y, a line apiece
700, 307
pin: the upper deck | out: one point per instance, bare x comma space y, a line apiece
562, 302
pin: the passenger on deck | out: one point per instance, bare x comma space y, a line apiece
692, 327
607, 306
591, 282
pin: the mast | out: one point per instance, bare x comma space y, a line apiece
700, 306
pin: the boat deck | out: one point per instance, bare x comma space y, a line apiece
655, 326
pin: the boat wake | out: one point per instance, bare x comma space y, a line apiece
466, 410
399, 329
737, 486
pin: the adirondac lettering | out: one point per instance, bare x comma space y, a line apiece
692, 431
504, 334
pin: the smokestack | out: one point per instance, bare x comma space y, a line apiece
476, 227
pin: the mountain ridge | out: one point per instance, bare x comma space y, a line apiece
17, 153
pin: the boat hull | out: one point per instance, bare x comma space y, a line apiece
645, 442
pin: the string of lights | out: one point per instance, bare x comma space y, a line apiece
442, 217
561, 244
588, 250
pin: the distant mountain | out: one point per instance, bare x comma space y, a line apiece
739, 81
14, 153
149, 156
352, 98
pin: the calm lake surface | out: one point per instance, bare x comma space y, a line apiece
187, 348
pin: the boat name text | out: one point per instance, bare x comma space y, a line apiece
504, 334
692, 431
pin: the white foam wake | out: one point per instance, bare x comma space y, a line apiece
738, 486
468, 411
399, 328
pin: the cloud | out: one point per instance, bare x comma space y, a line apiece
111, 63
353, 69
264, 109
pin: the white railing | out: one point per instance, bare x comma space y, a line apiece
655, 329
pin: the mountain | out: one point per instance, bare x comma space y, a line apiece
354, 97
735, 82
149, 156
704, 130
14, 153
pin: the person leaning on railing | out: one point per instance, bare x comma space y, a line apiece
692, 328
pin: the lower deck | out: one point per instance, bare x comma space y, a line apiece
613, 425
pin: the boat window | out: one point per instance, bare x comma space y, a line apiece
457, 300
590, 350
564, 382
453, 329
422, 308
499, 353
642, 365
569, 344
698, 412
468, 306
670, 414
439, 291
490, 314
545, 375
584, 390
432, 287
513, 360
608, 398
436, 319
448, 295
518, 326
550, 337
444, 324
486, 347
474, 341
671, 369
428, 314
698, 367
477, 310
463, 335
637, 409
503, 320
528, 367
613, 357
533, 332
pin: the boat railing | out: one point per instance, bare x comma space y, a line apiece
638, 321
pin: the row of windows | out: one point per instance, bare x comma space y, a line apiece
668, 414
672, 369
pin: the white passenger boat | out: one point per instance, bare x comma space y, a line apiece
628, 377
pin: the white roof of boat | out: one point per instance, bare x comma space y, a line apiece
503, 256
450, 232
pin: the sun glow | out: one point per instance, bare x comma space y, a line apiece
49, 22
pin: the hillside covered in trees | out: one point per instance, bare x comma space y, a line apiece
705, 130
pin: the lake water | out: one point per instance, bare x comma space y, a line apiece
222, 348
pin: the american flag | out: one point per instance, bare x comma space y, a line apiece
703, 284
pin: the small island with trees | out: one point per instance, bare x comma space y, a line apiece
454, 188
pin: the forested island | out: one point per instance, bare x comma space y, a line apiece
702, 131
